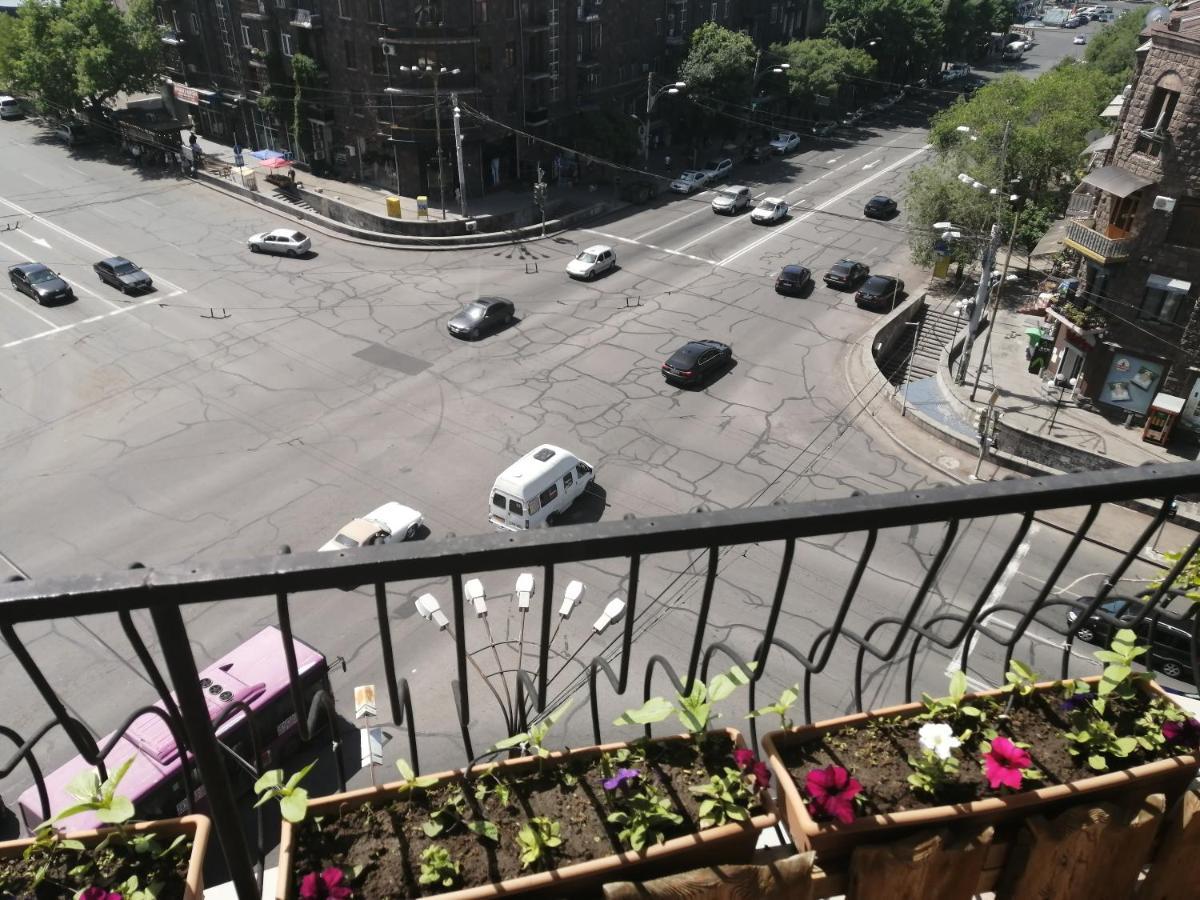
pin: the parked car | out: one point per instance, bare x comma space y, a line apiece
824, 128
592, 262
1170, 651
716, 169
390, 522
731, 200
785, 142
770, 209
74, 133
1080, 39
10, 107
879, 207
40, 283
281, 240
792, 280
695, 361
481, 316
880, 292
638, 190
846, 274
125, 276
689, 181
757, 153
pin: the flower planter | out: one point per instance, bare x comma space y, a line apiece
196, 827
832, 839
723, 844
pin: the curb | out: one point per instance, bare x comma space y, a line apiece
353, 234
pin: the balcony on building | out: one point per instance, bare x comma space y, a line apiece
587, 11
1111, 239
171, 38
427, 35
538, 115
303, 18
254, 12
1104, 248
535, 16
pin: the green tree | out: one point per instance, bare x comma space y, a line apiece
78, 54
607, 134
304, 71
8, 49
1112, 49
719, 64
820, 67
907, 33
936, 195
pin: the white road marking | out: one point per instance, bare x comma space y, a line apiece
832, 160
41, 242
694, 212
625, 240
73, 285
872, 165
37, 180
81, 240
79, 172
115, 312
733, 220
832, 200
147, 202
17, 302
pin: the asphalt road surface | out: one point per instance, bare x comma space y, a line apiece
253, 401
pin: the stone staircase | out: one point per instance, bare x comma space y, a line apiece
936, 331
293, 199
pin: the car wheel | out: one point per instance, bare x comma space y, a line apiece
552, 519
255, 249
291, 253
1086, 635
508, 320
411, 533
1171, 669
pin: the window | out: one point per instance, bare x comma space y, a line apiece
343, 6
285, 44
568, 480
1185, 224
597, 36
195, 22
175, 20
1166, 300
548, 495
348, 49
510, 55
579, 46
481, 11
484, 59
774, 13
713, 14
582, 469
726, 9
498, 501
266, 35
282, 4
378, 63
1158, 115
658, 26
512, 9
514, 507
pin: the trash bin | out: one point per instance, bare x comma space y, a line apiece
422, 206
393, 208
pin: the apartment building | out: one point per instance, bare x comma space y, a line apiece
1135, 220
524, 72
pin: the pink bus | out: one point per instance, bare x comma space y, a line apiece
254, 673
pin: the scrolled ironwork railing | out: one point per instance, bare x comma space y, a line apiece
945, 603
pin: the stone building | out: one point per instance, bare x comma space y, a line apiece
1134, 330
524, 71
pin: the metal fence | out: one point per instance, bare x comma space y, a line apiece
901, 639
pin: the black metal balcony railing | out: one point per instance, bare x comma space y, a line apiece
839, 638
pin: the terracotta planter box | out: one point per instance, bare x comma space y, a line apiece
726, 844
832, 839
196, 827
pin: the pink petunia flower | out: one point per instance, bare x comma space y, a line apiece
832, 791
328, 884
1003, 764
98, 893
1183, 734
752, 765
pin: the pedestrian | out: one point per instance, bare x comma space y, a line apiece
136, 150
668, 162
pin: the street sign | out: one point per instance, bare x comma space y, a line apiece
238, 160
364, 701
372, 747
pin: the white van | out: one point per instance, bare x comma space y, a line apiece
10, 107
537, 488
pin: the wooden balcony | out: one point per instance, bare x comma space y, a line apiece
1096, 246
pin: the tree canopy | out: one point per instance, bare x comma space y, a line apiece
907, 34
719, 64
1112, 49
820, 66
80, 53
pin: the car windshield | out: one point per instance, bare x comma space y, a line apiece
729, 195
475, 311
125, 268
586, 257
841, 268
783, 136
41, 275
298, 236
767, 205
345, 540
877, 283
683, 357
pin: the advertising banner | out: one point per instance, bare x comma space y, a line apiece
1131, 383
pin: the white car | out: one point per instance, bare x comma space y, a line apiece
717, 169
1079, 39
689, 181
771, 209
390, 522
592, 262
281, 240
785, 142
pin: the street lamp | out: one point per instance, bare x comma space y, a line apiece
652, 98
434, 73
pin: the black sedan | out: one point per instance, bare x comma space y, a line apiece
880, 292
1172, 631
846, 273
122, 274
792, 280
696, 360
484, 315
39, 282
880, 207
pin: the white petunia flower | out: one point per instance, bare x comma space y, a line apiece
939, 738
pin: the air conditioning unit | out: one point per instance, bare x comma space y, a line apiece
349, 150
389, 49
1165, 204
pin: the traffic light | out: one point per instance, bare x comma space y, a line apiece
981, 418
539, 193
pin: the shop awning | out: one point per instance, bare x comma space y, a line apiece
1052, 241
1116, 181
1102, 143
1170, 285
1113, 110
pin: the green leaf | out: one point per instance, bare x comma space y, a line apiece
958, 685
695, 720
432, 828
109, 788
653, 710
119, 810
1113, 676
1125, 745
424, 781
726, 683
294, 806
173, 845
71, 844
508, 743
299, 776
74, 811
1108, 656
485, 829
269, 780
973, 711
1098, 762
557, 714
84, 787
406, 771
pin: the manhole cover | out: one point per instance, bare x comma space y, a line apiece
947, 462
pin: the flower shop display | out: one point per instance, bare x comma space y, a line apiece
161, 860
547, 821
991, 756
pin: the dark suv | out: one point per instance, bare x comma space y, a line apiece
1170, 647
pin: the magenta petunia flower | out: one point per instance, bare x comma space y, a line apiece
832, 791
98, 893
1003, 764
743, 758
621, 778
328, 884
752, 765
1183, 734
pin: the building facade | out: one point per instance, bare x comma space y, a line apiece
525, 72
1134, 330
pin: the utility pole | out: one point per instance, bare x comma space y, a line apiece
646, 127
462, 182
437, 118
996, 305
